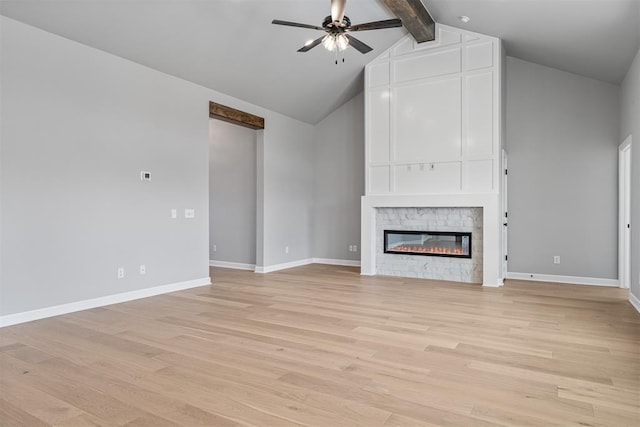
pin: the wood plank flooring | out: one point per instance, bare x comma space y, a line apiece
322, 346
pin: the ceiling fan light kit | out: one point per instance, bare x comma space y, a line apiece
335, 42
338, 26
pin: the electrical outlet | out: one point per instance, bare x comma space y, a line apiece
556, 259
120, 272
143, 269
286, 249
215, 248
355, 248
174, 213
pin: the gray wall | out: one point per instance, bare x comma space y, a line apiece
78, 126
338, 184
630, 124
562, 138
232, 193
286, 185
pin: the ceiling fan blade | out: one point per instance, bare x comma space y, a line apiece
377, 25
307, 47
337, 10
296, 24
358, 45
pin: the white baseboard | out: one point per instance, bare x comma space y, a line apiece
329, 261
56, 310
635, 302
498, 284
571, 280
283, 266
228, 264
307, 261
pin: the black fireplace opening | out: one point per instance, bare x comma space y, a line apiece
428, 243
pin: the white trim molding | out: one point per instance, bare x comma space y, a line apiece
283, 266
234, 265
497, 284
343, 262
56, 310
307, 261
635, 302
569, 280
624, 213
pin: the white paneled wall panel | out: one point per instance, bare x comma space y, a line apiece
427, 131
379, 180
436, 103
378, 130
447, 37
478, 176
427, 65
479, 55
427, 178
444, 38
379, 74
405, 46
479, 115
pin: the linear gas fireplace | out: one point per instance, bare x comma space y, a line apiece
430, 243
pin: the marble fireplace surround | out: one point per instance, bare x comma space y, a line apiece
489, 202
450, 219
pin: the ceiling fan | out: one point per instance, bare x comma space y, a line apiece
338, 26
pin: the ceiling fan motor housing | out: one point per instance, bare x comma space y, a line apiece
329, 25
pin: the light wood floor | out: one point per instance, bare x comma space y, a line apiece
322, 346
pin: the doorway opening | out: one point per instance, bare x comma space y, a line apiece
624, 213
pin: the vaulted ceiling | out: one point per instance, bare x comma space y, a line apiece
232, 47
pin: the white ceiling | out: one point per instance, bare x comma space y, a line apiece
232, 47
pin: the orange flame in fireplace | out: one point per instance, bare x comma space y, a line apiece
433, 250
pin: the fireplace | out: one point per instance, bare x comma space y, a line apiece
428, 243
411, 222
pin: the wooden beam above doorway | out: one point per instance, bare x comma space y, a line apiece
415, 18
231, 115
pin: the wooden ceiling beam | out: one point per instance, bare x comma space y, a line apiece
237, 117
415, 18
